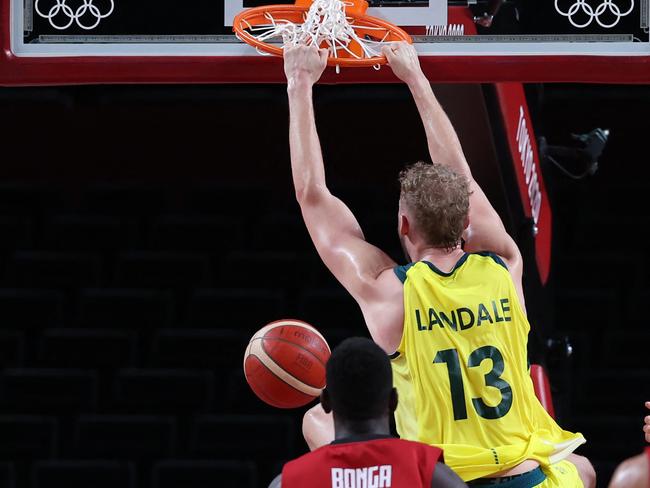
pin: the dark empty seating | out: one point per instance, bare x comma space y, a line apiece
233, 436
28, 198
624, 348
29, 437
262, 270
124, 437
197, 348
631, 390
47, 390
634, 309
128, 199
162, 270
86, 348
362, 200
239, 397
53, 269
317, 274
247, 309
89, 233
608, 434
125, 308
83, 474
30, 308
16, 232
208, 233
595, 271
626, 199
331, 309
586, 233
7, 475
581, 309
204, 474
12, 348
381, 231
280, 232
227, 197
152, 390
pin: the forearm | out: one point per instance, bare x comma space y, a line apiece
306, 157
444, 146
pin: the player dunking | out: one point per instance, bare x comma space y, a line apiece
361, 397
454, 319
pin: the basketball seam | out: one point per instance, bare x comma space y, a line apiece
269, 397
280, 366
297, 323
315, 390
293, 344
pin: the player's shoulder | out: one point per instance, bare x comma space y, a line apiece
425, 449
401, 271
305, 462
403, 447
488, 257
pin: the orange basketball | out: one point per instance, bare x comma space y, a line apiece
284, 363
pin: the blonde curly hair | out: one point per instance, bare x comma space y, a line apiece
438, 199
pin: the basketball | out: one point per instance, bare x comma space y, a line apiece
285, 362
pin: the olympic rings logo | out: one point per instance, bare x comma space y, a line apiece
61, 7
582, 7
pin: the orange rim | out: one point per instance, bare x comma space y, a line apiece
375, 29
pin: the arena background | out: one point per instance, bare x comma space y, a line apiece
148, 231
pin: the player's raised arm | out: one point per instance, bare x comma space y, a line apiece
358, 266
486, 231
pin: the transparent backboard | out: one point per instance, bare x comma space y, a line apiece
60, 28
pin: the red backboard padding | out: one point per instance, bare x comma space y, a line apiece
20, 71
542, 388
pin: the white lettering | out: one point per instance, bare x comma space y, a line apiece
529, 161
520, 127
373, 481
367, 477
337, 478
349, 478
528, 165
362, 478
385, 476
537, 203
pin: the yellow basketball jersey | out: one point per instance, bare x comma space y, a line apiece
461, 370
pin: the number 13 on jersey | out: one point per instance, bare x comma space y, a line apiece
492, 379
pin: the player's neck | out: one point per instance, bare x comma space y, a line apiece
347, 428
438, 255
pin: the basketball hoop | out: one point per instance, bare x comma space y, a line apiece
352, 38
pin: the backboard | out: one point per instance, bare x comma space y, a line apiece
170, 41
161, 27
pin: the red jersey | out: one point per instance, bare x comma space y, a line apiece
364, 462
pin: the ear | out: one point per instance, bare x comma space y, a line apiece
467, 221
404, 225
393, 401
325, 400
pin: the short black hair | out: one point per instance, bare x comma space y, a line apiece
359, 380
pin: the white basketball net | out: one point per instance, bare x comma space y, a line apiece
325, 23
